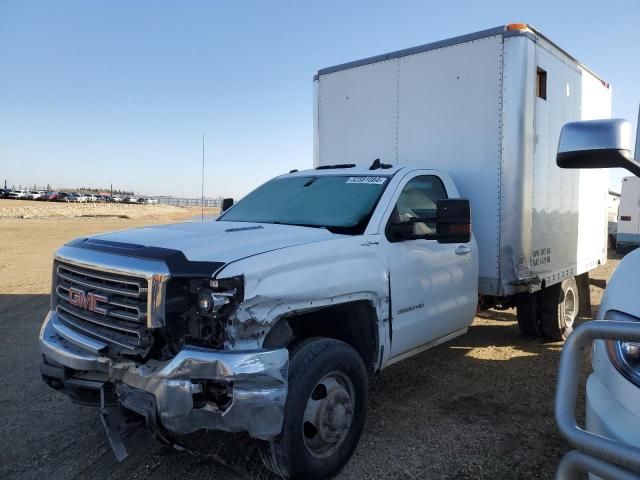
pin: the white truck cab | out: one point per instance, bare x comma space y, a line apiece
272, 318
610, 446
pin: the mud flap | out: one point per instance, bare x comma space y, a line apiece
584, 295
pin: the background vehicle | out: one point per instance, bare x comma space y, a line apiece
19, 194
35, 195
4, 192
131, 199
613, 388
628, 231
74, 197
116, 199
612, 216
52, 196
271, 319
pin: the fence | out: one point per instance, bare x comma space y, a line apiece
190, 202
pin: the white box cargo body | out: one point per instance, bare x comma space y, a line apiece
487, 108
628, 234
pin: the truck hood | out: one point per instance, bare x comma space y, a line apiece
621, 293
220, 241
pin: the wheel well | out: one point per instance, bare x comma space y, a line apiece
354, 323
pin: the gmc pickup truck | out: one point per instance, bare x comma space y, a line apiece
272, 318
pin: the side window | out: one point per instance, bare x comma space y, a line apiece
417, 203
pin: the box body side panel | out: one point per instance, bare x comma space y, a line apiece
562, 228
438, 109
516, 162
357, 115
475, 110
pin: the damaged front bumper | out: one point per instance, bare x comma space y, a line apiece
250, 386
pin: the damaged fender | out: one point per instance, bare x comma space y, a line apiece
305, 278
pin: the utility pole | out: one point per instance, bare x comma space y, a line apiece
202, 186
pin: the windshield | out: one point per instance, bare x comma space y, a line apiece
340, 203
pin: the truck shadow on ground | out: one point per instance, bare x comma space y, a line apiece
480, 406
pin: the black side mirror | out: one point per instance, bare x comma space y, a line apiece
227, 203
597, 144
401, 231
453, 224
453, 221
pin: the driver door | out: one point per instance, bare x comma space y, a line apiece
433, 285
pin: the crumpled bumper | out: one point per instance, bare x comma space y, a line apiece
173, 393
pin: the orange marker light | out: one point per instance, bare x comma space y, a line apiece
517, 26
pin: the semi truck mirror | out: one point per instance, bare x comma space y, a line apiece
227, 203
597, 144
453, 221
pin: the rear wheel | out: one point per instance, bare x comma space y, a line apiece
324, 413
559, 305
528, 318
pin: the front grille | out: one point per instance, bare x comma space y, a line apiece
108, 307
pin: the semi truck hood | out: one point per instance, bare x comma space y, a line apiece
220, 241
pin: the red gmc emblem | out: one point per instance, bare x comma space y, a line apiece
87, 300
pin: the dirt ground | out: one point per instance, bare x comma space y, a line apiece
478, 407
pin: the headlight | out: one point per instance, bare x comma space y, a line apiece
214, 295
210, 301
625, 356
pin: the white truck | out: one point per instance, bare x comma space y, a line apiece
271, 319
610, 445
628, 231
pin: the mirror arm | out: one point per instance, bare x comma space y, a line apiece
633, 167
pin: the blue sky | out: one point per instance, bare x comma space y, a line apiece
94, 93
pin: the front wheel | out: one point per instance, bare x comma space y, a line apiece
324, 413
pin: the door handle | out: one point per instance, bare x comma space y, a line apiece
463, 249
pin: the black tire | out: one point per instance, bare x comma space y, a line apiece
289, 455
528, 317
559, 305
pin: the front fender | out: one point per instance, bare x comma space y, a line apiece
307, 277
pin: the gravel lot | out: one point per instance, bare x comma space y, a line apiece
478, 407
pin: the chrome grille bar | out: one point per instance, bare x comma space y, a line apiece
108, 307
63, 272
94, 332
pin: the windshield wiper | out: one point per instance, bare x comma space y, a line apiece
299, 224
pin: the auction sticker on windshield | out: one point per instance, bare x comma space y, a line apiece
367, 180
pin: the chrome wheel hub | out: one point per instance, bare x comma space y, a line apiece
328, 415
570, 307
